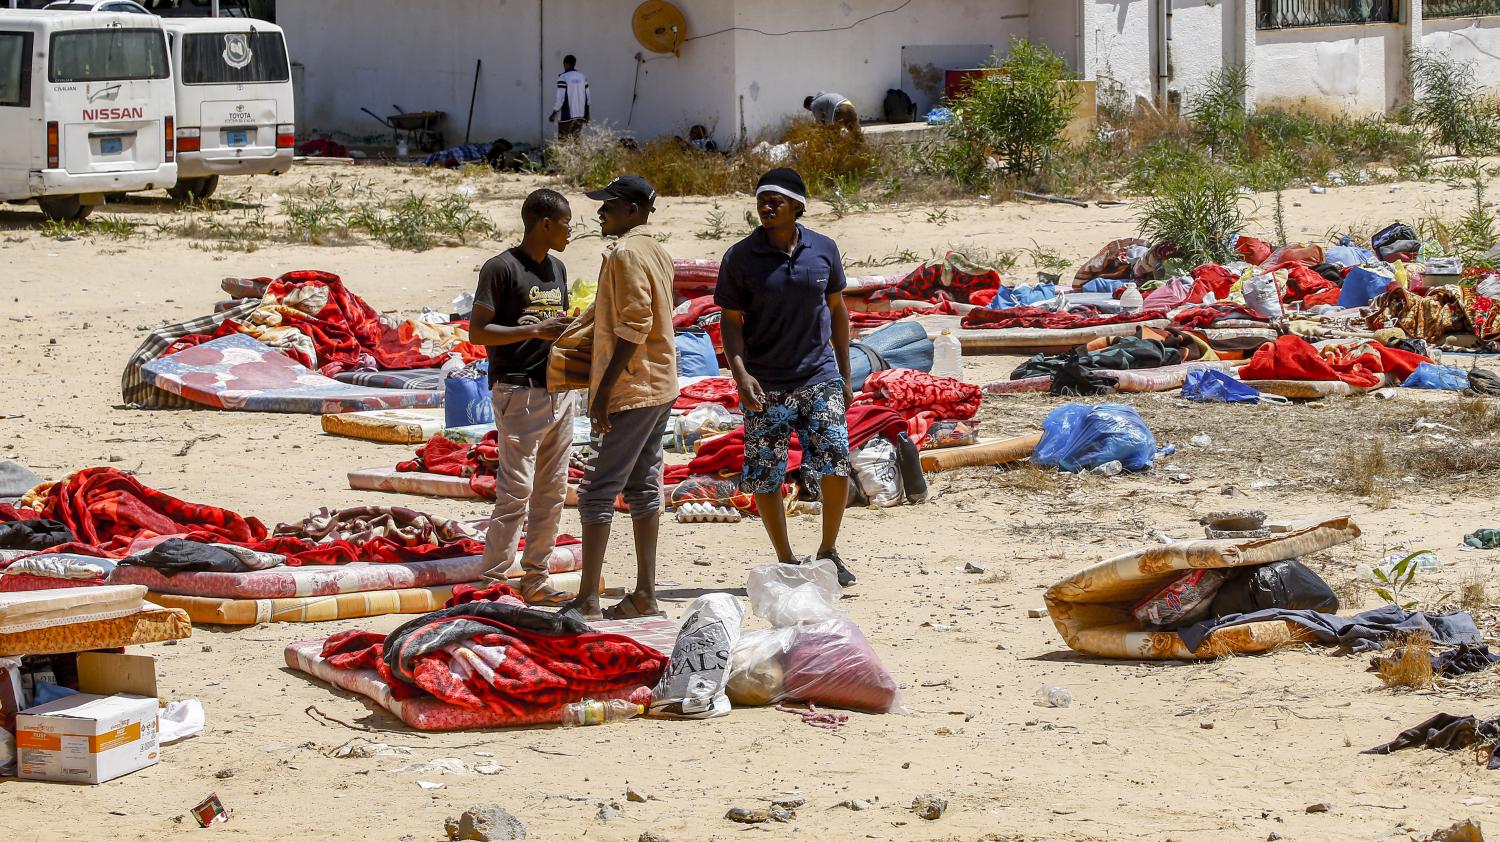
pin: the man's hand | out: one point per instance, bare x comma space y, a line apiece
552, 118
599, 413
553, 327
752, 396
848, 395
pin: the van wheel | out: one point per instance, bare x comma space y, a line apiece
116, 198
195, 189
63, 208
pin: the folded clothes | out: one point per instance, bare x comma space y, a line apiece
37, 534
175, 555
1446, 732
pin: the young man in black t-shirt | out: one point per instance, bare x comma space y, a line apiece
519, 309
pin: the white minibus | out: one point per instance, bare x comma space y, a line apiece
234, 101
86, 108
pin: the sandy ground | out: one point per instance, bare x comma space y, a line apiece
1235, 749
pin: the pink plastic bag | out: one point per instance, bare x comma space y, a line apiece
826, 663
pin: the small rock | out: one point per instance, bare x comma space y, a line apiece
1464, 831
1320, 807
484, 824
702, 562
858, 805
1200, 440
971, 567
744, 816
1207, 726
929, 807
115, 457
207, 648
789, 802
1272, 836
652, 836
906, 765
1036, 613
224, 774
633, 794
607, 812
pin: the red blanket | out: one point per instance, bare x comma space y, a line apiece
478, 462
1206, 315
726, 453
503, 668
1037, 317
1294, 358
912, 393
111, 512
1210, 277
719, 390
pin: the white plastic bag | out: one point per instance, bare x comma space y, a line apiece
1263, 295
692, 687
701, 422
877, 469
787, 594
180, 720
828, 662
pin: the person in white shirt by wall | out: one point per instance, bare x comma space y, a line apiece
570, 110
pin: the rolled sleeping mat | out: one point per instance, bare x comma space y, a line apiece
998, 452
897, 345
692, 278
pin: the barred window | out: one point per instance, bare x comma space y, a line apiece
1280, 14
1459, 8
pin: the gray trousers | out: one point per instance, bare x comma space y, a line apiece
629, 461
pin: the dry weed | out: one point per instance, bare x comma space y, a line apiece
1350, 592
1472, 596
1477, 416
1410, 665
1363, 466
1031, 479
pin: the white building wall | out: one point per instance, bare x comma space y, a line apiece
859, 60
1357, 69
1203, 41
1120, 42
1468, 39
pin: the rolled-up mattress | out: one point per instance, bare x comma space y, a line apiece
317, 609
330, 580
148, 625
998, 452
1092, 608
1316, 389
390, 426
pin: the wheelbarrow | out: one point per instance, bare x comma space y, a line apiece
419, 127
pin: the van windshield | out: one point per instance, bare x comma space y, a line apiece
108, 55
230, 58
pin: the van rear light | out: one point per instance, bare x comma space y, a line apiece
52, 144
169, 135
189, 140
286, 136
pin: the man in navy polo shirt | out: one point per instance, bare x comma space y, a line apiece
786, 336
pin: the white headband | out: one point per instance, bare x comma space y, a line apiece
771, 188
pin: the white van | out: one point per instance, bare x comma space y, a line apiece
86, 108
234, 101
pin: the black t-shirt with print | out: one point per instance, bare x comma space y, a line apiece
521, 291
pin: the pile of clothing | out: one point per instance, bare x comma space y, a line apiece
487, 651
478, 462
313, 318
106, 513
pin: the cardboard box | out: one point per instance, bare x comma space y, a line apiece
87, 738
108, 730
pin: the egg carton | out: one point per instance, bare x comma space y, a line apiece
707, 513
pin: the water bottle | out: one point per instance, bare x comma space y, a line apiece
1060, 302
599, 711
947, 356
1130, 299
1056, 697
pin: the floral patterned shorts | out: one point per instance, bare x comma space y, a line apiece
816, 414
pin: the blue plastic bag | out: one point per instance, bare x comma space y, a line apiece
466, 401
1078, 437
695, 355
1007, 297
1362, 284
1346, 255
1108, 285
1432, 376
939, 116
1209, 385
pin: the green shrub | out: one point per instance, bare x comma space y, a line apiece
1197, 210
1447, 101
1217, 110
1017, 113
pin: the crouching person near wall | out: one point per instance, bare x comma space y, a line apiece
627, 339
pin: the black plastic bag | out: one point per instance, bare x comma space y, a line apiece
1280, 584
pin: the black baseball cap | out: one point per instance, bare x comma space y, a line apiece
631, 188
783, 180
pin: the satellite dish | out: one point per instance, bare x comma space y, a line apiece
659, 26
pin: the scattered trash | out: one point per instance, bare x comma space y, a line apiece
789, 802
1317, 189
210, 811
607, 811
1055, 697
971, 567
856, 804
429, 785
180, 720
440, 766
744, 816
360, 747
816, 718
1110, 468
1200, 440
